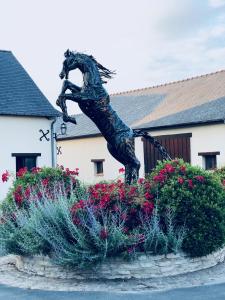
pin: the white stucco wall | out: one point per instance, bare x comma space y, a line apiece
80, 152
21, 135
208, 138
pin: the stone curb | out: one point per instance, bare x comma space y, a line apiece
144, 267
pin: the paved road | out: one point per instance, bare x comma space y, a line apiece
213, 292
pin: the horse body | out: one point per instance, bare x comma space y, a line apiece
105, 118
94, 101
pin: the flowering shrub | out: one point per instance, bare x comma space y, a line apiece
197, 198
112, 196
41, 182
5, 176
178, 205
220, 173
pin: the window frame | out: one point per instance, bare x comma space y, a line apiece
96, 161
24, 156
206, 155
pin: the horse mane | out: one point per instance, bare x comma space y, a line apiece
104, 72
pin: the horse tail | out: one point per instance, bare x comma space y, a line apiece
162, 150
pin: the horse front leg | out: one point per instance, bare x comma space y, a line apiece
62, 104
68, 85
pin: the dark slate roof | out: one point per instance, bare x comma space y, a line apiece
213, 111
19, 95
130, 109
195, 100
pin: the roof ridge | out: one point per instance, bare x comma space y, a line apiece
5, 50
167, 83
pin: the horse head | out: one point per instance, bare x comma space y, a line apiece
70, 63
75, 60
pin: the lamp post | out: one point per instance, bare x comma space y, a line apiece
63, 129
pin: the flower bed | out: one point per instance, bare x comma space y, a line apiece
178, 208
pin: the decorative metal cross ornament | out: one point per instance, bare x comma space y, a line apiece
94, 101
44, 135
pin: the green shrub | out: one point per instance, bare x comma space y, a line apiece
197, 199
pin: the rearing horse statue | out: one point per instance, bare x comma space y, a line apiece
94, 101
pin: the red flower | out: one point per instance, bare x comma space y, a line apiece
39, 194
18, 195
45, 181
95, 194
76, 220
141, 180
27, 192
169, 168
159, 178
103, 234
223, 182
200, 178
122, 194
163, 172
183, 169
21, 172
36, 170
148, 196
148, 207
121, 170
147, 185
5, 176
190, 184
104, 200
132, 191
79, 205
180, 180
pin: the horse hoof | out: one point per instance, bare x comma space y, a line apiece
57, 102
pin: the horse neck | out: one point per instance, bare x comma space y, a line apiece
91, 74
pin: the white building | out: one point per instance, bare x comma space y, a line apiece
26, 121
187, 117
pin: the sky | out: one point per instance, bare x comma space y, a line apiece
147, 42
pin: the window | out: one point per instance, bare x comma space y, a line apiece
28, 160
98, 166
209, 160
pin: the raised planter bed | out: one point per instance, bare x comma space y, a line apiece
143, 267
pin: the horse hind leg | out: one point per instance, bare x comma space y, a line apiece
125, 154
132, 171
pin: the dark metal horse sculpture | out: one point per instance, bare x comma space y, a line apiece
94, 101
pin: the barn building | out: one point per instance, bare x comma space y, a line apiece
187, 117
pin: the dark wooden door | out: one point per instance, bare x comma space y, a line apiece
177, 145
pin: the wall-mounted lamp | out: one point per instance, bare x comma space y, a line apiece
63, 129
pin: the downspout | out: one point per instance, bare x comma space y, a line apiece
53, 144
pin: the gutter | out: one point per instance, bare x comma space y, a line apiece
53, 144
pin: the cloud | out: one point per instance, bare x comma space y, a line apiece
176, 19
216, 3
149, 43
